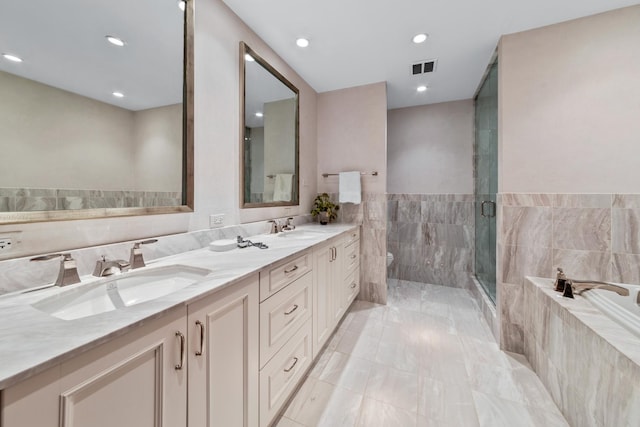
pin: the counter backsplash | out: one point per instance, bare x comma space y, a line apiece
19, 273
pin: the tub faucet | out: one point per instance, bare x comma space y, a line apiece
579, 286
68, 274
107, 268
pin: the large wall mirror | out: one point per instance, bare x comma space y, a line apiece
269, 135
96, 111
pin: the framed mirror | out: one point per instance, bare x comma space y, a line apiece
96, 112
269, 134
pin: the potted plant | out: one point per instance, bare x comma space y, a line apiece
324, 209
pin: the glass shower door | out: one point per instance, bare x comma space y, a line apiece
486, 181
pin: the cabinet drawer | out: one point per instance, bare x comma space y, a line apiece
351, 287
352, 236
282, 315
283, 274
351, 257
279, 378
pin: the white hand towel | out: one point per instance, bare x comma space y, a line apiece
282, 189
349, 187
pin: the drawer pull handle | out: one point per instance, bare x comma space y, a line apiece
354, 256
295, 307
353, 285
295, 267
179, 366
201, 327
295, 360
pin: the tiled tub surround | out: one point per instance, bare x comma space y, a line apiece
431, 237
592, 236
371, 215
589, 364
32, 341
51, 199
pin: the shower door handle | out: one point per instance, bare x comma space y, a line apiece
493, 210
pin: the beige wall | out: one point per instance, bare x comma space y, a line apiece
430, 149
217, 154
157, 151
352, 135
569, 106
57, 139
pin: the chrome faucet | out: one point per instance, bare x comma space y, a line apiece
275, 226
289, 225
107, 268
577, 287
136, 260
68, 274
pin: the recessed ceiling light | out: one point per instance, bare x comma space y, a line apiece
248, 57
421, 89
259, 114
115, 41
118, 94
420, 38
12, 58
182, 5
302, 42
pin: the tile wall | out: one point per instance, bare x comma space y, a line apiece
431, 237
51, 199
591, 236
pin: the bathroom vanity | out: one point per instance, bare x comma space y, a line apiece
227, 350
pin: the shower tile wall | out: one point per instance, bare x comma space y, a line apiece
591, 236
431, 237
373, 244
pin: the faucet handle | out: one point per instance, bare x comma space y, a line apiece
68, 274
274, 226
136, 259
289, 224
136, 245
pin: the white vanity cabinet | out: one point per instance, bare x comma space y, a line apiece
223, 357
138, 379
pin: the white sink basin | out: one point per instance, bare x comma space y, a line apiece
122, 291
299, 234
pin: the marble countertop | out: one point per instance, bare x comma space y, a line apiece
32, 341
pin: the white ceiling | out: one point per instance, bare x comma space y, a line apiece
63, 44
356, 42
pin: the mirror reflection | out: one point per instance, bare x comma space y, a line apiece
270, 140
91, 112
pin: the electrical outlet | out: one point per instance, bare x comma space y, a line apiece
216, 221
6, 244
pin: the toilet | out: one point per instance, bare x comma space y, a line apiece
389, 258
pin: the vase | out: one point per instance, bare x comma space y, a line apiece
324, 218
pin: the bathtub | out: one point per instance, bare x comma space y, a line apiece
585, 353
624, 310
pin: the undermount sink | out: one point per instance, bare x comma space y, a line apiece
120, 291
299, 234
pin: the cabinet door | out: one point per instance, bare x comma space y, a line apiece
322, 295
223, 358
129, 381
337, 278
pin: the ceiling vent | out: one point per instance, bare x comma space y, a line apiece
423, 67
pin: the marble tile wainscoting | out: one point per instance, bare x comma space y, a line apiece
591, 236
589, 364
431, 237
52, 199
371, 215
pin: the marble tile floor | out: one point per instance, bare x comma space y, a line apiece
425, 359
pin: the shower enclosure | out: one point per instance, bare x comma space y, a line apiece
486, 180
